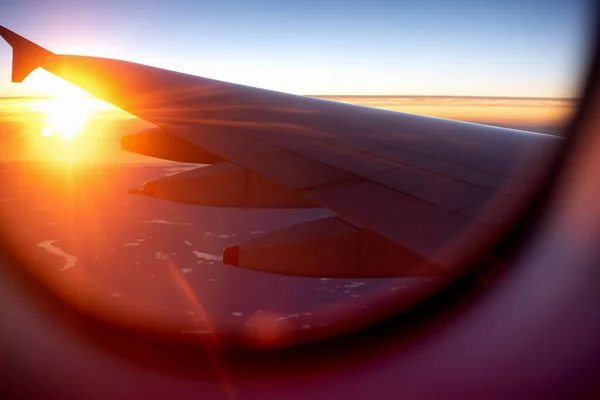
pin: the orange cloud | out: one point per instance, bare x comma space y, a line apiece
491, 110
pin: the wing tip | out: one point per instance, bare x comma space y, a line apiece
27, 55
11, 37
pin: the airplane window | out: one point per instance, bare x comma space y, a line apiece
234, 214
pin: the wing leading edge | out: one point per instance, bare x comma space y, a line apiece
410, 192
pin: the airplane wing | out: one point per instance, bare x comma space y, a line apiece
409, 192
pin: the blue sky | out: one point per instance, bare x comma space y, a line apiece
426, 47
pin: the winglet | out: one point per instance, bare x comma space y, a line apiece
27, 56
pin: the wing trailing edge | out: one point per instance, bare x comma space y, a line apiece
155, 142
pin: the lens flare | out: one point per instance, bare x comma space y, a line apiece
66, 116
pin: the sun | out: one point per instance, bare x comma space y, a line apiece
66, 116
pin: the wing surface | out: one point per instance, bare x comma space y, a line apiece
409, 191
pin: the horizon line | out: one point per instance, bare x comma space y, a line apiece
372, 96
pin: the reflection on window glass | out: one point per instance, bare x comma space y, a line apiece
65, 195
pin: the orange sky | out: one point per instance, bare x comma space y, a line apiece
509, 111
23, 120
475, 109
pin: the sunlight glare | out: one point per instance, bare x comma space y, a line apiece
47, 131
66, 116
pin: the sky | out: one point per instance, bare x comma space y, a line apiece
522, 48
